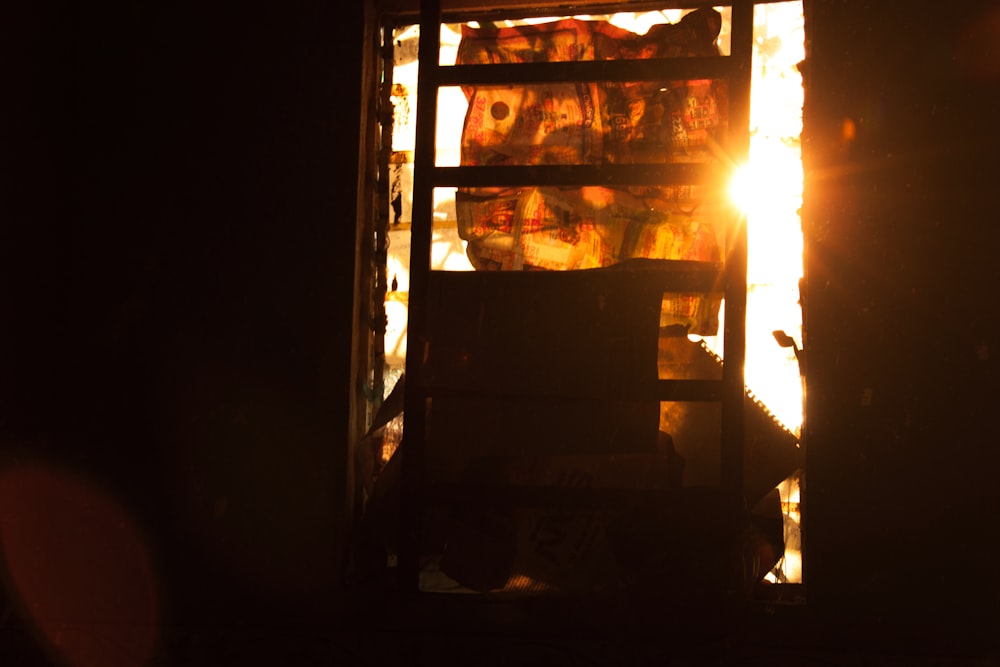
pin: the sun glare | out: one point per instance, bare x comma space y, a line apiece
764, 187
741, 188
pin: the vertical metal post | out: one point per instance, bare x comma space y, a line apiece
380, 247
734, 334
415, 405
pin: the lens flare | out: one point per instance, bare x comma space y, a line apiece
79, 566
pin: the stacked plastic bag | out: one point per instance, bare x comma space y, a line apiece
644, 122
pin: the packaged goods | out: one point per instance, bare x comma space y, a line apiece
641, 122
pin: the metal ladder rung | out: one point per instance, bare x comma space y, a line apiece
649, 69
654, 390
568, 175
544, 497
729, 392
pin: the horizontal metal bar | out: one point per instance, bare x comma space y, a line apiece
461, 11
548, 497
649, 69
679, 275
669, 390
657, 390
568, 175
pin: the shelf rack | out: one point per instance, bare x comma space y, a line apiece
417, 495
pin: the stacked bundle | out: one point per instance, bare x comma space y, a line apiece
646, 122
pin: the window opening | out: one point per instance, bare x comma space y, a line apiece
768, 189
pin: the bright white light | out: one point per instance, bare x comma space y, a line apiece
741, 187
770, 182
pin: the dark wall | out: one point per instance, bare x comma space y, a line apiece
177, 296
901, 322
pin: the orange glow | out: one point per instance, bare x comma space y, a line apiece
849, 130
79, 567
596, 197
